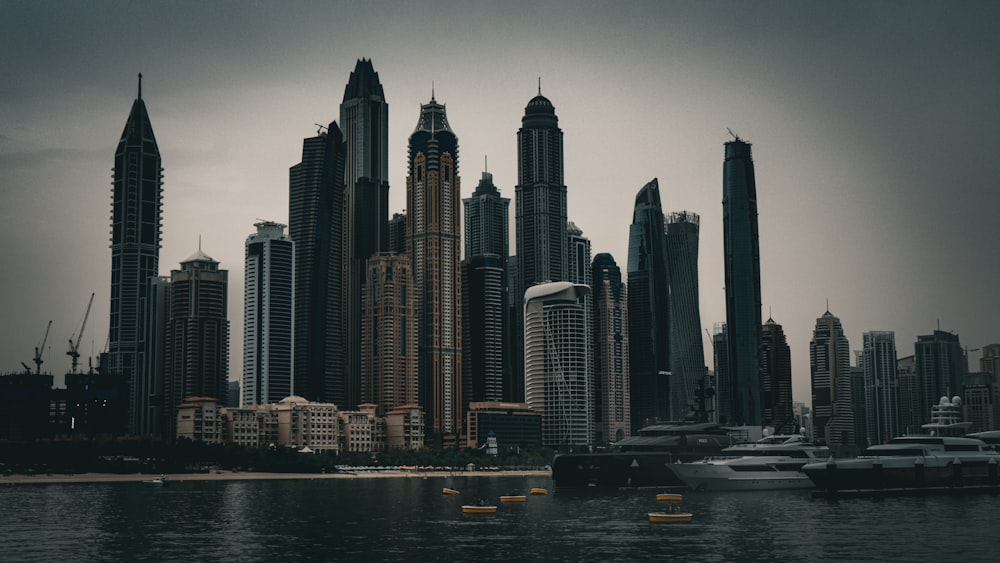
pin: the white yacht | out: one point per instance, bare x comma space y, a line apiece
773, 462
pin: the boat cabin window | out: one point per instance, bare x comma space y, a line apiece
876, 451
961, 447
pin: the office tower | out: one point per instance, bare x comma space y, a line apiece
315, 225
859, 406
136, 224
578, 271
197, 362
687, 355
556, 362
364, 118
540, 215
432, 217
990, 363
389, 334
397, 234
648, 310
742, 260
611, 376
723, 377
485, 322
941, 369
977, 400
912, 413
776, 379
878, 359
148, 412
830, 373
513, 383
267, 315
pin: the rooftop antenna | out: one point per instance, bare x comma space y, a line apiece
827, 304
735, 136
432, 90
321, 128
539, 85
140, 85
199, 243
486, 163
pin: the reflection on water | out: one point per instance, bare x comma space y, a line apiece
409, 519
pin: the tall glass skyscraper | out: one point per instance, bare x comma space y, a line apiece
611, 375
267, 315
364, 118
433, 195
540, 215
941, 370
648, 310
687, 354
315, 225
830, 369
878, 359
742, 261
136, 224
776, 379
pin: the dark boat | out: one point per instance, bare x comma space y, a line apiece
641, 461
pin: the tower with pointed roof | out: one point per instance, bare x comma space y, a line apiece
540, 209
776, 379
830, 371
197, 358
136, 227
364, 119
433, 196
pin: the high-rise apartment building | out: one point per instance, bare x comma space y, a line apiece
830, 372
912, 413
268, 289
648, 310
687, 354
557, 364
364, 119
742, 264
989, 362
611, 377
136, 225
776, 378
389, 334
433, 197
941, 369
485, 314
579, 271
540, 215
148, 412
197, 359
315, 225
722, 376
878, 359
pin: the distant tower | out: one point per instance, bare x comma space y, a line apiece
364, 118
389, 334
578, 271
540, 216
315, 225
433, 195
742, 261
878, 359
941, 369
830, 372
153, 347
485, 322
611, 376
776, 378
267, 315
687, 354
197, 363
723, 375
556, 364
648, 310
136, 225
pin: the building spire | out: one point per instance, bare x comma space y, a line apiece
486, 163
140, 85
539, 85
432, 91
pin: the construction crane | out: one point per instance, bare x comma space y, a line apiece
74, 347
39, 350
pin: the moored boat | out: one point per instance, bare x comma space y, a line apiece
539, 491
513, 498
478, 509
447, 491
669, 516
669, 497
160, 480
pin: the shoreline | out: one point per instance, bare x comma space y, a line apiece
42, 479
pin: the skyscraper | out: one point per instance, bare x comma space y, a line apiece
197, 362
136, 225
776, 378
315, 225
364, 117
830, 372
579, 271
149, 399
485, 323
433, 230
556, 364
742, 260
687, 354
648, 310
389, 334
611, 376
941, 369
540, 215
878, 359
267, 315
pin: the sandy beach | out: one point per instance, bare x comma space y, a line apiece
18, 479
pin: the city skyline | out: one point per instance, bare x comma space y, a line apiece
868, 126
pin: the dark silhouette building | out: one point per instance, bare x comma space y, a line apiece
540, 215
776, 379
687, 354
941, 369
611, 375
742, 264
136, 221
648, 310
830, 372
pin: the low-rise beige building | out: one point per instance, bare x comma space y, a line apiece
404, 427
199, 419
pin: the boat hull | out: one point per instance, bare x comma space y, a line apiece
708, 477
513, 498
902, 473
476, 509
669, 517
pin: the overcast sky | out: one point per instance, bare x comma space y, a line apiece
873, 127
